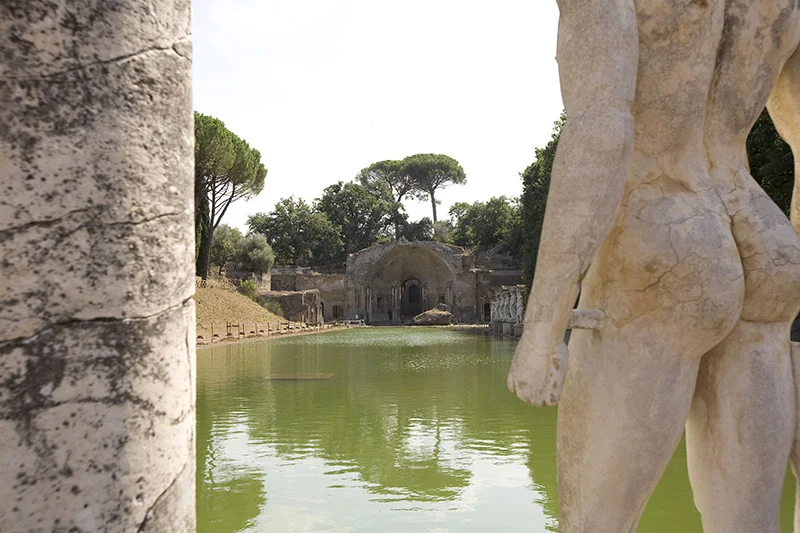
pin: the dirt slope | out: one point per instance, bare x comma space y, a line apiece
218, 305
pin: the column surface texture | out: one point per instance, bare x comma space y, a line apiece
97, 319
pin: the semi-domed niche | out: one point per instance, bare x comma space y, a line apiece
402, 282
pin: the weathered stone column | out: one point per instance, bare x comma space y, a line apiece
96, 255
369, 311
397, 291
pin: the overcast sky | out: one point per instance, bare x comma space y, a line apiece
324, 88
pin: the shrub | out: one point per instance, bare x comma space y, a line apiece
254, 254
273, 307
248, 288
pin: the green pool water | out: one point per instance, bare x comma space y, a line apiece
392, 430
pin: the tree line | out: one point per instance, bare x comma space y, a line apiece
351, 216
347, 217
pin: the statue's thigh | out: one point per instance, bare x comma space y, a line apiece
621, 416
741, 428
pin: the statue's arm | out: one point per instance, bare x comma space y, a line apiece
598, 49
784, 109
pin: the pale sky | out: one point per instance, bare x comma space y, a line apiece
324, 88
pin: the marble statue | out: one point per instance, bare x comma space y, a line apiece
688, 274
512, 304
520, 305
97, 341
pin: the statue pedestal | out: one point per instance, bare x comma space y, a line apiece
508, 328
518, 330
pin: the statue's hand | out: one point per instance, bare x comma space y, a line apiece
537, 375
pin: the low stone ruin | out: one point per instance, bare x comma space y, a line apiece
438, 316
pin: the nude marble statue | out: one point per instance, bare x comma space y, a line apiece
688, 274
512, 304
520, 305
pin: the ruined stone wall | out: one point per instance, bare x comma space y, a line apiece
372, 288
263, 280
464, 305
331, 287
97, 257
492, 260
298, 306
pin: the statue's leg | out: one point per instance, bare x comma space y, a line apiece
783, 106
795, 455
741, 428
621, 416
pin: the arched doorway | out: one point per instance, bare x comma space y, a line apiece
412, 298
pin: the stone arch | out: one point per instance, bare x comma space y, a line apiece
400, 276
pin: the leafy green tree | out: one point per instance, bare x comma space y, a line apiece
421, 230
361, 214
299, 235
223, 246
201, 223
443, 231
226, 170
771, 161
495, 223
458, 214
431, 172
254, 254
535, 184
392, 174
327, 248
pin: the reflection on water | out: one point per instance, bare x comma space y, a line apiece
385, 430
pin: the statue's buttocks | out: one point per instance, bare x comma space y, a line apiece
694, 233
770, 253
669, 259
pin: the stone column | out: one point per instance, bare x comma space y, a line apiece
395, 304
398, 303
369, 305
96, 252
